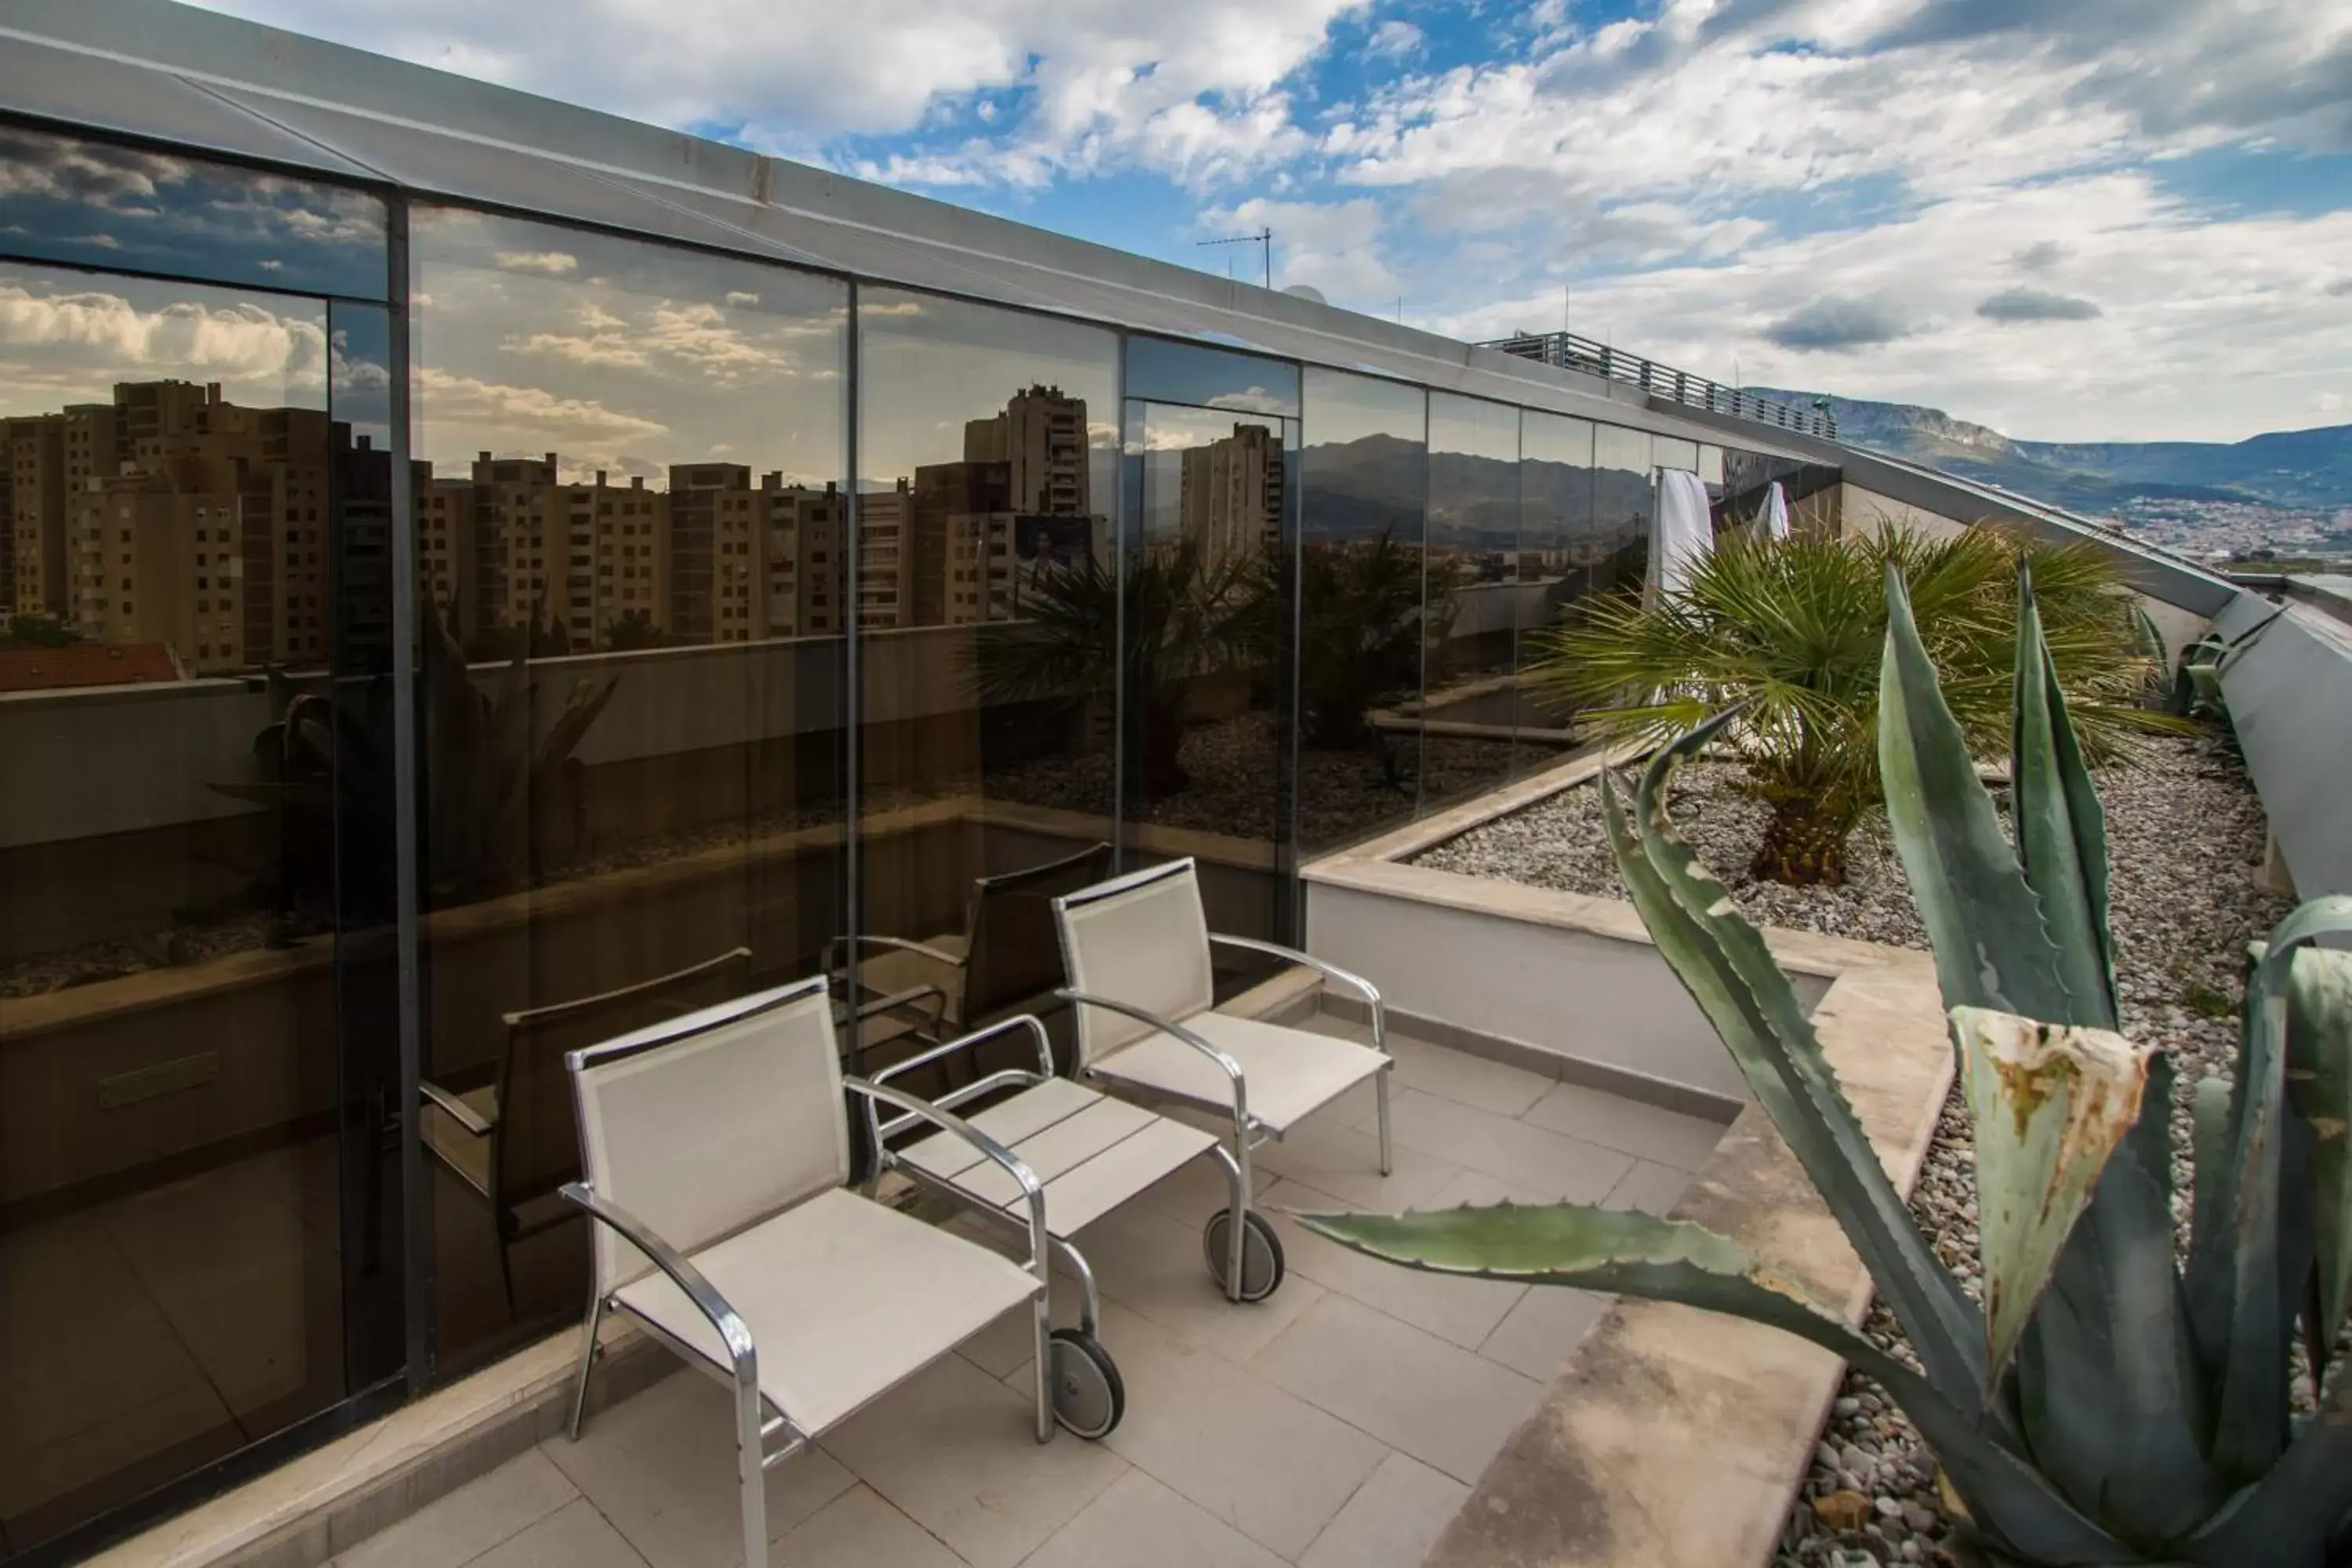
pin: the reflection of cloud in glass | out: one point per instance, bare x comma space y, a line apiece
68, 342
1255, 398
546, 263
619, 354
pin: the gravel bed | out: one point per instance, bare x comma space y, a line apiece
2184, 840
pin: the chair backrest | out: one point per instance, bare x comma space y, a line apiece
1140, 939
536, 1147
702, 1125
1013, 952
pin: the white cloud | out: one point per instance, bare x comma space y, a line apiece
241, 343
1334, 247
544, 263
1394, 40
458, 415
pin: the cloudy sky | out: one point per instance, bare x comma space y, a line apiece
2071, 219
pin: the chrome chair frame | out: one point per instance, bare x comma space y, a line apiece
757, 1418
1247, 1133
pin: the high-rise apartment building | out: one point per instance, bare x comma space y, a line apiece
1040, 437
1230, 495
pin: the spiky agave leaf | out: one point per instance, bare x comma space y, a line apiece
2319, 1091
2239, 1270
2050, 1102
1631, 1253
1725, 964
1992, 948
2108, 1388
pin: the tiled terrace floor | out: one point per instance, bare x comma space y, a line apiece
1339, 1423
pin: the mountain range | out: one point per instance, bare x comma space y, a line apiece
2299, 469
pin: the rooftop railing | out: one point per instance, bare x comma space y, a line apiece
1569, 352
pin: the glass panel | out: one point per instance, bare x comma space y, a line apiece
1809, 489
1667, 452
1557, 553
1624, 496
1472, 698
101, 206
170, 1222
1208, 636
1162, 372
988, 616
1364, 488
629, 530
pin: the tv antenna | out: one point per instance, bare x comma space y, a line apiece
1264, 237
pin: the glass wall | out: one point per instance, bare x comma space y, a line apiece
630, 529
1470, 701
1362, 632
194, 840
1559, 549
1624, 496
987, 617
1106, 599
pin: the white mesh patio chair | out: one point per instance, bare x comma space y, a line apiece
1092, 1152
1138, 951
716, 1153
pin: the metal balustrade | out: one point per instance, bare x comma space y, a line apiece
1569, 352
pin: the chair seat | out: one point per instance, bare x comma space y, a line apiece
1091, 1152
1288, 1073
447, 1139
845, 1299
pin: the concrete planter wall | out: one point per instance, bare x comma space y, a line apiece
1669, 1435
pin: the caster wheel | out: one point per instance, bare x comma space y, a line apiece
1262, 1264
1088, 1398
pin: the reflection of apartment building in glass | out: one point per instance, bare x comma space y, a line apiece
1230, 500
174, 516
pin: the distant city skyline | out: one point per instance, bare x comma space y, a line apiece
2071, 222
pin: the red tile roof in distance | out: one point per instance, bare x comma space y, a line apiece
85, 664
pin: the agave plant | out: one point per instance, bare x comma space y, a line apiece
1793, 628
2107, 1402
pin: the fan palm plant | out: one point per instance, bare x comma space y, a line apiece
1085, 637
1792, 628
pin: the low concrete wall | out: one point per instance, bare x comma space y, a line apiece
2289, 689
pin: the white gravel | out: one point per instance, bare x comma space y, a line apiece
2185, 835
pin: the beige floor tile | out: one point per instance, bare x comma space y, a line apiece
1262, 1460
1392, 1520
1195, 1190
1461, 1310
1140, 1523
266, 1336
460, 1526
187, 1420
1336, 1027
1012, 1340
1649, 1186
955, 1450
1536, 1335
1475, 1081
1517, 1151
1630, 1126
119, 1357
573, 1536
661, 1465
1345, 1161
858, 1530
1443, 1405
1154, 1265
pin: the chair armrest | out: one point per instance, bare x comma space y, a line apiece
948, 1122
733, 1332
966, 1042
832, 949
908, 998
454, 1108
1354, 981
1176, 1031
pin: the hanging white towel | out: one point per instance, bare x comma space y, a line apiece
1682, 534
1776, 511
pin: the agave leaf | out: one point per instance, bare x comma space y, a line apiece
1634, 1254
2210, 1120
2110, 1393
1727, 969
2251, 1415
2061, 842
2319, 1091
2292, 1513
2051, 1103
1993, 949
